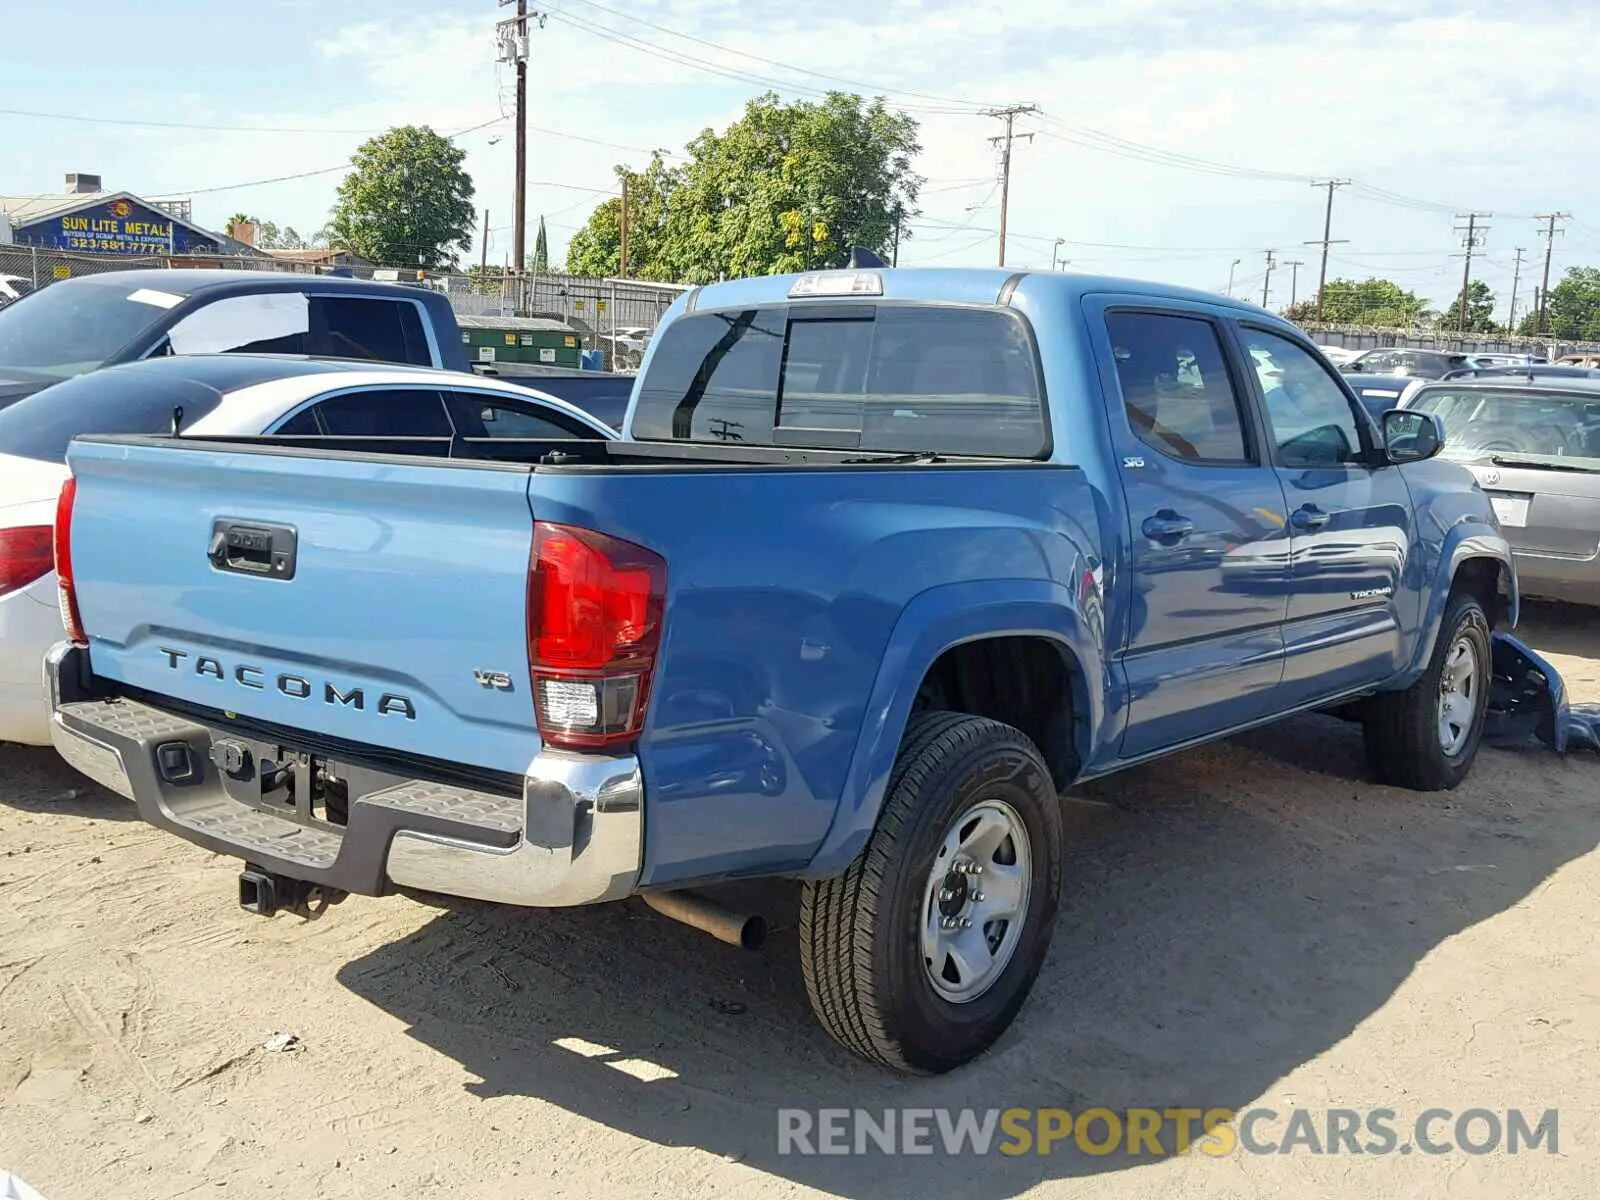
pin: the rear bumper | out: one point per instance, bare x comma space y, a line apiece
573, 836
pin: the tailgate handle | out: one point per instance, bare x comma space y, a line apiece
252, 548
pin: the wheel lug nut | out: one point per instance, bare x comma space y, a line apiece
977, 897
947, 923
977, 869
946, 895
965, 924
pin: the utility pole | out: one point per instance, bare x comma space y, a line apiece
1327, 238
513, 36
1471, 241
1516, 278
1294, 266
1266, 284
1231, 266
622, 256
1009, 116
1550, 232
899, 216
1054, 250
483, 260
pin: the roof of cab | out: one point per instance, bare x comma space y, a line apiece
231, 372
959, 285
190, 281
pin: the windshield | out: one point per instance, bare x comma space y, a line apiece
75, 326
1557, 428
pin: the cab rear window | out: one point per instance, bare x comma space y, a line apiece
882, 377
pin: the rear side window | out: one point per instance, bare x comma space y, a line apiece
1176, 388
883, 377
358, 327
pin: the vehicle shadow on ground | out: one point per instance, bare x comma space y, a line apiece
41, 782
1227, 919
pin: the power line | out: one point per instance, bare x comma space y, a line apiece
1516, 278
738, 74
1471, 242
772, 62
1332, 185
1009, 115
1266, 284
1550, 232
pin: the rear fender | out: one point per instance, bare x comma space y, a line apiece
932, 623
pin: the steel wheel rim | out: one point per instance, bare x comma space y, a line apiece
1459, 684
976, 901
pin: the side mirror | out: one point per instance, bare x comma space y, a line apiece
1352, 366
1410, 436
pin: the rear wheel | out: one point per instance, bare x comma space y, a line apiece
1426, 737
923, 952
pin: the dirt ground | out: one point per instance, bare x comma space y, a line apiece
1247, 925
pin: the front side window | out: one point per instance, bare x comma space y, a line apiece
266, 323
913, 378
1177, 391
1313, 422
475, 415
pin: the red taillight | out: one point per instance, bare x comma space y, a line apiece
25, 556
63, 553
594, 627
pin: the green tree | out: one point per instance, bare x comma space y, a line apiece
596, 249
268, 235
1375, 302
408, 202
539, 263
1573, 307
1480, 311
787, 187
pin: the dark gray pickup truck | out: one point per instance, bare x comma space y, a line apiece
83, 324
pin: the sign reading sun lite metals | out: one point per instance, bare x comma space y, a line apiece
119, 226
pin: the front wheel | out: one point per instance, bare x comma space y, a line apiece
1426, 737
923, 952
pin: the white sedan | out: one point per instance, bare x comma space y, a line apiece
222, 394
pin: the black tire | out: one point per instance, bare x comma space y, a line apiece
860, 933
1403, 739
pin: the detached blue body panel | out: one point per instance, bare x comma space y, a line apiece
806, 604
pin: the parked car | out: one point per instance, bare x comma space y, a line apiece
1534, 447
859, 597
1585, 359
1401, 360
1337, 355
13, 287
93, 321
218, 394
1507, 360
1530, 371
1380, 393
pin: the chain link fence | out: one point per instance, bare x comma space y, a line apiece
612, 311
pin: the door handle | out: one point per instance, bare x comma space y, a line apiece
1309, 516
1167, 526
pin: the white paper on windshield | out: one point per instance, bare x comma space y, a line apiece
151, 296
241, 321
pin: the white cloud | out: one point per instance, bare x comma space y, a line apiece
1461, 104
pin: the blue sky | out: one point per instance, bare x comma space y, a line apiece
1447, 106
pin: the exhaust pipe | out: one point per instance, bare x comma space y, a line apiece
747, 931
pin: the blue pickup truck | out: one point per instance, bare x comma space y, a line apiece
886, 561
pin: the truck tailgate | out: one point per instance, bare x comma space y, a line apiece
390, 609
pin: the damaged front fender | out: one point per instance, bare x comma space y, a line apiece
1529, 699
